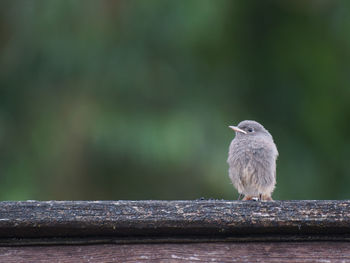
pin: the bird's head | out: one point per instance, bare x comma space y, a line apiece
250, 128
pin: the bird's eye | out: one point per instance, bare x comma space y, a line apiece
250, 130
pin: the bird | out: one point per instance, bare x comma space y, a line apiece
252, 161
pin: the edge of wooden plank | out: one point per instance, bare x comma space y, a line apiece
72, 241
130, 221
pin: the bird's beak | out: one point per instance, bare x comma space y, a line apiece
236, 129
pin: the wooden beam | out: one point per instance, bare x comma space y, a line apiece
72, 222
276, 252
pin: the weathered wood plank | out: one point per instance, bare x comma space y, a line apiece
191, 220
195, 252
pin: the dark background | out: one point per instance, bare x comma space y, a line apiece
132, 99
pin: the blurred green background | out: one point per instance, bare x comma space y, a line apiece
132, 99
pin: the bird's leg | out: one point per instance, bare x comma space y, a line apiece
240, 196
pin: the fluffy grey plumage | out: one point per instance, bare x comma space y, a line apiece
252, 160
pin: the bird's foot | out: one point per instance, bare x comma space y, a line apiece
260, 197
254, 198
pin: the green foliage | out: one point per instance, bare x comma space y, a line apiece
132, 99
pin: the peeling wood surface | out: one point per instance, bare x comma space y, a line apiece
171, 220
196, 252
175, 231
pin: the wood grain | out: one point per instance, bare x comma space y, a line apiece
171, 220
196, 252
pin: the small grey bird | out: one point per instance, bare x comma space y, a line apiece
252, 161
